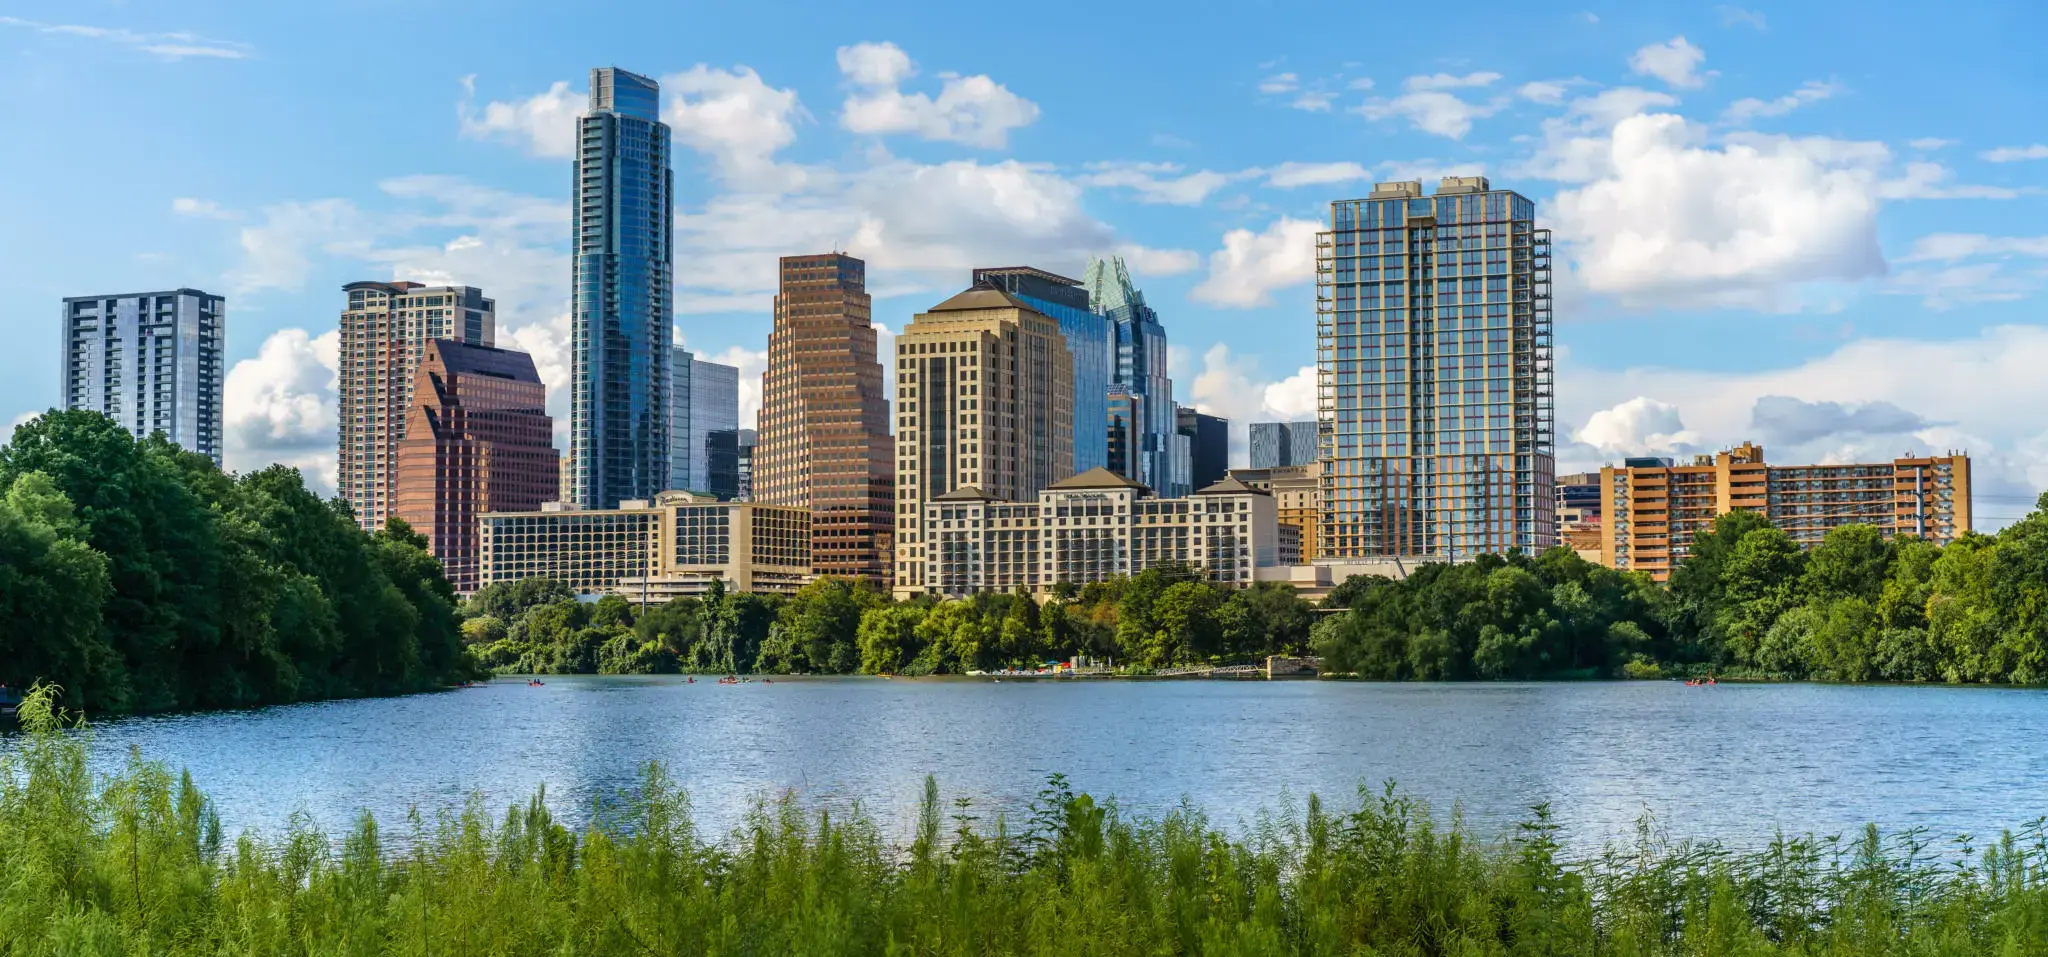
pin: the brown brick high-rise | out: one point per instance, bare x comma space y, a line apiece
824, 430
478, 439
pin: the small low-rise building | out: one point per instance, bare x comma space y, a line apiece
676, 545
1097, 526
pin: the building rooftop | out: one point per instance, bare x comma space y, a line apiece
1231, 485
1095, 478
966, 493
981, 297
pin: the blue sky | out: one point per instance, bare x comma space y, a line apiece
1818, 225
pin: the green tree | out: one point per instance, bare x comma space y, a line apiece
1760, 581
52, 590
889, 637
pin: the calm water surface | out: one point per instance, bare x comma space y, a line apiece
1734, 761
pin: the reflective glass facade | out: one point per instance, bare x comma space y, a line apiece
1139, 342
714, 428
1434, 374
622, 312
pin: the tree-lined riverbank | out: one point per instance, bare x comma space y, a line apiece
140, 577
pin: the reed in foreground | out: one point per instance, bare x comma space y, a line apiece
135, 863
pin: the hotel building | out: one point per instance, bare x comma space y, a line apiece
1654, 508
824, 442
385, 330
1097, 526
150, 361
1433, 361
651, 551
984, 391
478, 439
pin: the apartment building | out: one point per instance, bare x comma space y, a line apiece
1434, 375
651, 551
385, 329
1096, 526
150, 361
1653, 508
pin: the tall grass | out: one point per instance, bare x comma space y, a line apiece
134, 863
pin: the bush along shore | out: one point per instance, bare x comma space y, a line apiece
135, 862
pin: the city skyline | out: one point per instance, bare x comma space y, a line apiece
1923, 263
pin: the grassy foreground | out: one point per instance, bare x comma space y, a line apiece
135, 863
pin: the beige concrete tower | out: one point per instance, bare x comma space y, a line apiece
384, 333
985, 398
824, 432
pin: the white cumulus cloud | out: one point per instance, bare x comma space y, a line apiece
543, 124
1252, 266
973, 110
735, 118
1675, 61
280, 406
1164, 183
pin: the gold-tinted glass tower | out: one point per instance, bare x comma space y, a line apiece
985, 398
824, 431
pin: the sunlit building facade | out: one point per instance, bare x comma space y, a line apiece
1653, 508
1434, 376
385, 330
674, 545
824, 428
1091, 345
1097, 526
1139, 373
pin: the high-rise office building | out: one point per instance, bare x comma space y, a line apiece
622, 305
744, 464
478, 438
1208, 446
1091, 342
984, 399
385, 329
151, 361
1139, 371
1433, 363
824, 426
1275, 444
703, 426
714, 428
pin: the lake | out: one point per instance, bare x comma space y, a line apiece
1733, 761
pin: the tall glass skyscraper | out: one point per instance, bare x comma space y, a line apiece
622, 312
1090, 341
1140, 368
1434, 374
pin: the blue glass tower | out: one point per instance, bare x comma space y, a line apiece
1090, 342
622, 312
1140, 368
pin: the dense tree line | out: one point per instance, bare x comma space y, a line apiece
1161, 617
140, 577
1747, 599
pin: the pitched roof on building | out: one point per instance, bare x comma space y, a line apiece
1231, 485
966, 493
1097, 477
981, 297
